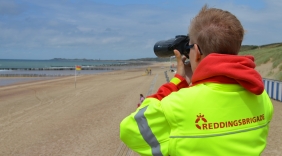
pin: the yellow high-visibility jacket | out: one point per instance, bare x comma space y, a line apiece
206, 119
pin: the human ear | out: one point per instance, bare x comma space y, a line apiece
198, 53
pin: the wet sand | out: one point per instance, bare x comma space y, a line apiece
53, 117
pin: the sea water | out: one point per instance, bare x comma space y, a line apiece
21, 64
16, 68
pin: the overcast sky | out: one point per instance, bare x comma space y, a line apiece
118, 29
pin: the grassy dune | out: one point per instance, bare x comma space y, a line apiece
266, 54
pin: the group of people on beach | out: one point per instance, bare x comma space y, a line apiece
148, 71
211, 105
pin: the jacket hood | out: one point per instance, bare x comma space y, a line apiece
230, 69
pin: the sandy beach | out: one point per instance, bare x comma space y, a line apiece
53, 117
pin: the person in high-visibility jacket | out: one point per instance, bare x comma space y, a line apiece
216, 105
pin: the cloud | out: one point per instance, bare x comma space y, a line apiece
10, 8
125, 29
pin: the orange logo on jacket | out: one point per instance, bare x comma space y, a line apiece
200, 117
226, 124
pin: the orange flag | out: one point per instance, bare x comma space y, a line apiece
77, 67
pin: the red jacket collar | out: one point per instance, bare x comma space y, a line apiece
230, 69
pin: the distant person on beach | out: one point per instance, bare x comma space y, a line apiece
147, 71
215, 105
150, 71
142, 98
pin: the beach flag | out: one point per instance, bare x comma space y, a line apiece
77, 67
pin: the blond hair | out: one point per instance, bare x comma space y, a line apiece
216, 31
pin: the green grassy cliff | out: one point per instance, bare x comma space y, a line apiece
266, 54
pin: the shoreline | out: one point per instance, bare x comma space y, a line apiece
55, 66
8, 81
14, 77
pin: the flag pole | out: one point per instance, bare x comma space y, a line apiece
77, 67
75, 76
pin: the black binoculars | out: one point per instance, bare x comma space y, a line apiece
165, 48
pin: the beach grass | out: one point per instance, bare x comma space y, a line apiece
264, 55
271, 53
